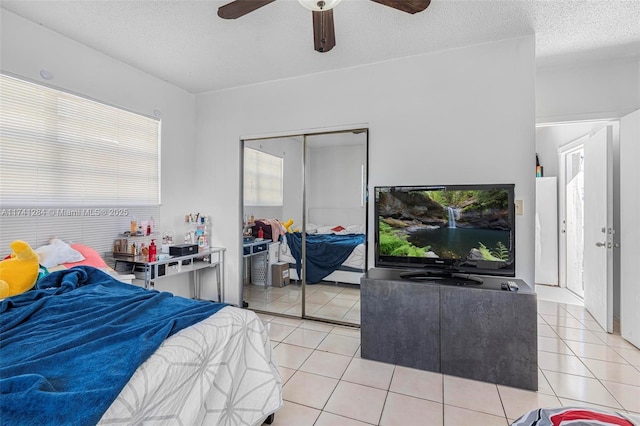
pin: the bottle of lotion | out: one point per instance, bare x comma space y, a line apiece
152, 251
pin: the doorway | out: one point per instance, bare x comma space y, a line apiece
580, 155
572, 238
615, 307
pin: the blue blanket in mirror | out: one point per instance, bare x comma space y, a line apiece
68, 347
324, 252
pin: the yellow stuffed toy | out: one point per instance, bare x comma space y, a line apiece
287, 225
18, 273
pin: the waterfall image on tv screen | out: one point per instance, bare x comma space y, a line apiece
469, 228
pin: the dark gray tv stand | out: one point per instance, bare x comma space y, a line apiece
476, 331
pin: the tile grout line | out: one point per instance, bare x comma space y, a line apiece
443, 397
576, 355
605, 343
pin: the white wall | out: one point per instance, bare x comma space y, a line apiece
595, 91
581, 92
458, 116
26, 48
334, 182
550, 138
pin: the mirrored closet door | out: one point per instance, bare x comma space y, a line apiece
273, 183
304, 216
335, 225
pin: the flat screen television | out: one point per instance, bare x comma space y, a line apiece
446, 230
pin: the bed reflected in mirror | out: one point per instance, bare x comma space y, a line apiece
304, 225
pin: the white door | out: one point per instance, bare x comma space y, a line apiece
598, 228
629, 229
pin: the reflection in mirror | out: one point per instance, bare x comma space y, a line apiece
322, 193
335, 187
272, 195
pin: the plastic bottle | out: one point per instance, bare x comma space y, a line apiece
260, 233
134, 225
152, 251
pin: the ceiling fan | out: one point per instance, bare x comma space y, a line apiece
324, 38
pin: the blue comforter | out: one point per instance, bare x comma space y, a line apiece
68, 347
324, 252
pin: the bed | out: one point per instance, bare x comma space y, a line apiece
334, 253
83, 348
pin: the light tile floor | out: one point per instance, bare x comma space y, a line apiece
331, 301
557, 294
327, 383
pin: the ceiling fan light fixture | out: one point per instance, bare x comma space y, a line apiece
319, 5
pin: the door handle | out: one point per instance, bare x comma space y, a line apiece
601, 244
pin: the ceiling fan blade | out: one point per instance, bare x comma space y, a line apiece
324, 36
409, 6
239, 8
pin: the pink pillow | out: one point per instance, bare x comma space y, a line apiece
91, 257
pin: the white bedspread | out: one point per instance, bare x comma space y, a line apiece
220, 371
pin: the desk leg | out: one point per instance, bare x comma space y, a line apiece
156, 268
198, 279
218, 282
196, 285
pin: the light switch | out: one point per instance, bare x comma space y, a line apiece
519, 210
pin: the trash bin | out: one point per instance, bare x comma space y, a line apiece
259, 270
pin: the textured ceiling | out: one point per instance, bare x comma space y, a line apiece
185, 43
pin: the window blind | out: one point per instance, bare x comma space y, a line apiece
60, 149
263, 178
72, 167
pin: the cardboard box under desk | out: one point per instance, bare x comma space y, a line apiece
280, 274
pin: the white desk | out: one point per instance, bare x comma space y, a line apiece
174, 265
